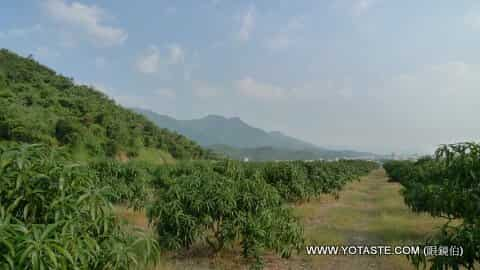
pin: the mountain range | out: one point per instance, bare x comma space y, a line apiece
237, 139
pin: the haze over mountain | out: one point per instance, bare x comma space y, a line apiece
215, 129
238, 139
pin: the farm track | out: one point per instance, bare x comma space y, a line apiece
370, 211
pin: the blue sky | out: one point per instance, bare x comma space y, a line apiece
375, 75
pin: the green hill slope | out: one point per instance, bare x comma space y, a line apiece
37, 105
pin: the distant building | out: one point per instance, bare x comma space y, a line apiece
245, 159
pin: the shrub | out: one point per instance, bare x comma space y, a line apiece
195, 205
446, 186
53, 215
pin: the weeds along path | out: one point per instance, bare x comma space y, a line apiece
369, 211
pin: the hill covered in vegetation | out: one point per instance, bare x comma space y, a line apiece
37, 105
216, 129
236, 139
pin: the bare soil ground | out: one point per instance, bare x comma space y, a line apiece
369, 212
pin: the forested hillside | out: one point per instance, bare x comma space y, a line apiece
37, 105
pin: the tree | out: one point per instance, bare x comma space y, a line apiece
67, 132
55, 215
196, 203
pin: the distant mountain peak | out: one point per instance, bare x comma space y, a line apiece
214, 117
236, 118
233, 132
277, 133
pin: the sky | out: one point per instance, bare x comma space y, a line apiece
372, 75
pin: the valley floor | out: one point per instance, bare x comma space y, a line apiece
369, 212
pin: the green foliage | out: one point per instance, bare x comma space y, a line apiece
129, 181
195, 202
68, 131
397, 170
289, 178
54, 215
224, 202
448, 186
305, 180
39, 106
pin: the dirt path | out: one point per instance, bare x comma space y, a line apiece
369, 212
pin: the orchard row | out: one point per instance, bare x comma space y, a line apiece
445, 185
55, 214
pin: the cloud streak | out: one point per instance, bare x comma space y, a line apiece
86, 20
153, 60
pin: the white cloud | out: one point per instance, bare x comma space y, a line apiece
150, 61
177, 54
166, 93
247, 24
249, 87
86, 20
